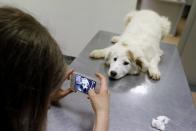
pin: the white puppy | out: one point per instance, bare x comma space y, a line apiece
137, 49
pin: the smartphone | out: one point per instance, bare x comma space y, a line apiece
82, 83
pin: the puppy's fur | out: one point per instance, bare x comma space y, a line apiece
137, 49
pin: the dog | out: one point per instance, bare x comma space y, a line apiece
137, 49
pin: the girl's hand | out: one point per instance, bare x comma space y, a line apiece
100, 101
100, 105
60, 93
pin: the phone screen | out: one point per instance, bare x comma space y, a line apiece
83, 84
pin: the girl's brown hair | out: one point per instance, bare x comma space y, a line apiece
31, 68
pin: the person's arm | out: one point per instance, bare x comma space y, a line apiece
101, 122
100, 104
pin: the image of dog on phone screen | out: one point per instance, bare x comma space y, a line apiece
83, 84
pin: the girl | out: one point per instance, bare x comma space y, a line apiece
32, 72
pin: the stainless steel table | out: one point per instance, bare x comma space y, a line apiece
135, 100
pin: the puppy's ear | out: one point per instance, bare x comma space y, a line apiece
130, 56
139, 63
107, 58
135, 69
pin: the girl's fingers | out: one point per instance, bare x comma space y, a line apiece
62, 93
72, 89
91, 93
68, 74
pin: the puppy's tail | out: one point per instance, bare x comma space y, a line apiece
165, 26
128, 17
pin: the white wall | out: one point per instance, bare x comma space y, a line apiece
74, 22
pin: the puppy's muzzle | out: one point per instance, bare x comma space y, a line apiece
113, 73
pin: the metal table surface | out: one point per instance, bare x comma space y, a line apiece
135, 100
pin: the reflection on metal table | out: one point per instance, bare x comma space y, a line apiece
135, 100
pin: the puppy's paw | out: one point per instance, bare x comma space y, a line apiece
154, 73
96, 54
115, 39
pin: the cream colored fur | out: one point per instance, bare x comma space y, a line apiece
138, 47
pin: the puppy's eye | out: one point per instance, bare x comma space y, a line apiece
115, 59
125, 63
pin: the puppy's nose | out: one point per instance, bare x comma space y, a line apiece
113, 73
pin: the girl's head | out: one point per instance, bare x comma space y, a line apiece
31, 68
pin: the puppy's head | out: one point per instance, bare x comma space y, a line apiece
121, 62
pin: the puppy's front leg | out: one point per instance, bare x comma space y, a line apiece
99, 53
153, 70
